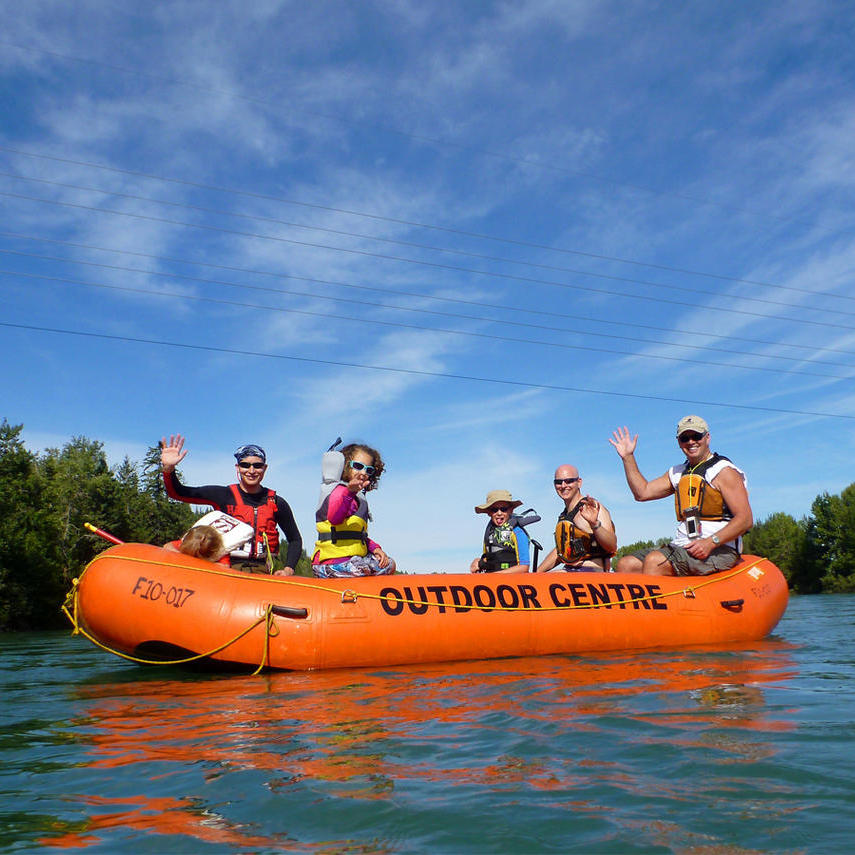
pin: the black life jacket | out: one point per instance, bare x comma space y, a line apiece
501, 549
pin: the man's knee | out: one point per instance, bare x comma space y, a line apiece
628, 564
656, 564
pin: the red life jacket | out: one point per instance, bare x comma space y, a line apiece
261, 518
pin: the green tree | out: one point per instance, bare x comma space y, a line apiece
80, 488
830, 553
152, 516
783, 540
30, 587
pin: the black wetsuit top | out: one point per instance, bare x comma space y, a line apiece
220, 497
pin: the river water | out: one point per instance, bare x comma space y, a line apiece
738, 749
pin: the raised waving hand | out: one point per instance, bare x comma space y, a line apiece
172, 452
623, 443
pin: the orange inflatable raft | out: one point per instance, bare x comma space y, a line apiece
154, 606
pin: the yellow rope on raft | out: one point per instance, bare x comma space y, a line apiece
71, 602
353, 595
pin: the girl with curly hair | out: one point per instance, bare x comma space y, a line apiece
343, 547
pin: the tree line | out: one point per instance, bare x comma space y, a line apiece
46, 498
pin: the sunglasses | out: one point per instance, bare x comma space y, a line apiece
690, 435
559, 481
252, 465
503, 508
358, 467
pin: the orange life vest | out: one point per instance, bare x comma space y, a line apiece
695, 496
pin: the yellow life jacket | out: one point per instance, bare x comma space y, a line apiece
694, 496
344, 540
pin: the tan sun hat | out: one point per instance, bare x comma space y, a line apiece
493, 498
692, 423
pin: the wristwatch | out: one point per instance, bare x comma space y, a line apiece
596, 525
715, 539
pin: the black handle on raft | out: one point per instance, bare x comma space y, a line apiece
289, 611
733, 605
537, 548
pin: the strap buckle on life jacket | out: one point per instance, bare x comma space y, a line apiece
335, 536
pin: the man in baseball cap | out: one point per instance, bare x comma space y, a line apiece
711, 503
695, 423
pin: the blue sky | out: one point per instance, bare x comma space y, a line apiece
478, 236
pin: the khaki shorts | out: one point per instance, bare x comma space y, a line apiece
721, 558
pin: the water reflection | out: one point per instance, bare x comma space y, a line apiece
218, 760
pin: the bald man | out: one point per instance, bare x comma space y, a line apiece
585, 536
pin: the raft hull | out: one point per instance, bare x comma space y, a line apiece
149, 604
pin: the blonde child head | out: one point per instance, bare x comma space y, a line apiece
203, 541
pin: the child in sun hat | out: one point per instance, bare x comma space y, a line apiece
506, 544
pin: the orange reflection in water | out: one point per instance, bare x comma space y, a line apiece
159, 815
354, 734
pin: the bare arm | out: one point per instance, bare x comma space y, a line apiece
642, 489
549, 562
600, 520
517, 568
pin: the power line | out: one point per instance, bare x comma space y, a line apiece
397, 242
401, 293
434, 264
423, 373
417, 224
362, 302
399, 325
